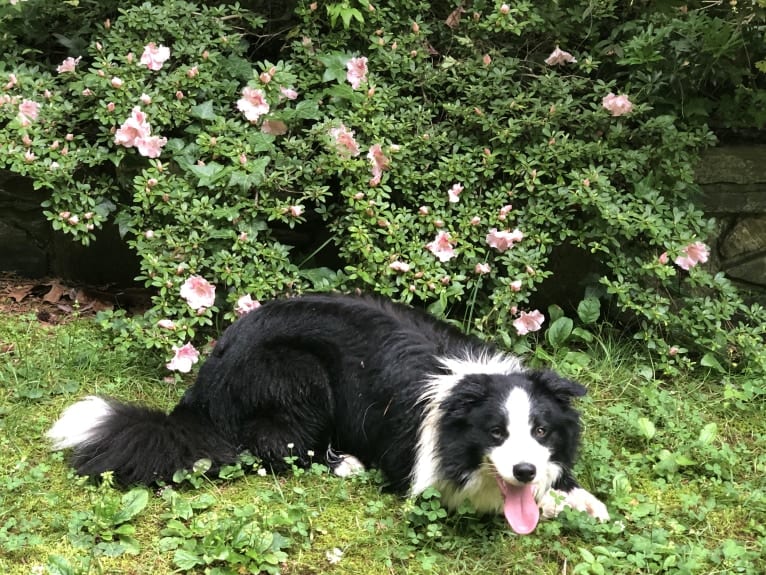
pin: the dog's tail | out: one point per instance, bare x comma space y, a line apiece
137, 444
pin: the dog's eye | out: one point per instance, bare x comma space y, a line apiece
540, 431
497, 433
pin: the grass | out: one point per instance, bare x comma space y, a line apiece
679, 462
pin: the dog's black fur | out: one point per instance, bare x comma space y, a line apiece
356, 373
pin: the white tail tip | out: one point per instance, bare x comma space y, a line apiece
78, 422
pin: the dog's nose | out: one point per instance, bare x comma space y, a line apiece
524, 472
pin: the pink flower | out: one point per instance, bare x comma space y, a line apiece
504, 211
29, 156
134, 128
558, 57
617, 105
345, 142
183, 359
442, 247
356, 71
379, 163
116, 82
68, 65
482, 268
288, 93
274, 127
166, 324
505, 9
192, 72
296, 211
663, 259
454, 193
28, 111
515, 285
398, 266
253, 103
246, 304
503, 240
150, 146
146, 99
527, 322
673, 350
693, 254
198, 292
154, 56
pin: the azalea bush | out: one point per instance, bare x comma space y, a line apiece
435, 154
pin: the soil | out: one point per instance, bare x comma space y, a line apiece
53, 300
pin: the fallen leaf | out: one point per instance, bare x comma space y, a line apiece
54, 294
453, 20
20, 292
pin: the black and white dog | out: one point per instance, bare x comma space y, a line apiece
383, 384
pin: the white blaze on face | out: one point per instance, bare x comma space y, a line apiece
520, 447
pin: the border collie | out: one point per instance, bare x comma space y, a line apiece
355, 382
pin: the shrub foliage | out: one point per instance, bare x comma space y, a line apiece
432, 152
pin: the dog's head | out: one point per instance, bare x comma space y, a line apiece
512, 434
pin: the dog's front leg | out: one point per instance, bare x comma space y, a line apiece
577, 498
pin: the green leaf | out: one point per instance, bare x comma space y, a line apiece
238, 67
186, 560
587, 555
202, 466
577, 358
335, 66
58, 565
203, 111
555, 312
620, 484
709, 360
583, 334
646, 428
589, 310
684, 460
253, 177
559, 331
210, 173
133, 502
130, 545
708, 433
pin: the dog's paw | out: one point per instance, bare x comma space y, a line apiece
347, 465
579, 499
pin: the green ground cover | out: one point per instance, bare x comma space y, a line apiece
679, 462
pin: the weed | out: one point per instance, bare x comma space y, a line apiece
679, 463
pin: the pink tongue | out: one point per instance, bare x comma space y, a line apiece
520, 508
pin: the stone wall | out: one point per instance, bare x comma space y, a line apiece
733, 180
30, 248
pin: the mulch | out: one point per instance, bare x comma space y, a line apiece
55, 300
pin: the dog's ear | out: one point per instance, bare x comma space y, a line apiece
468, 393
560, 387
